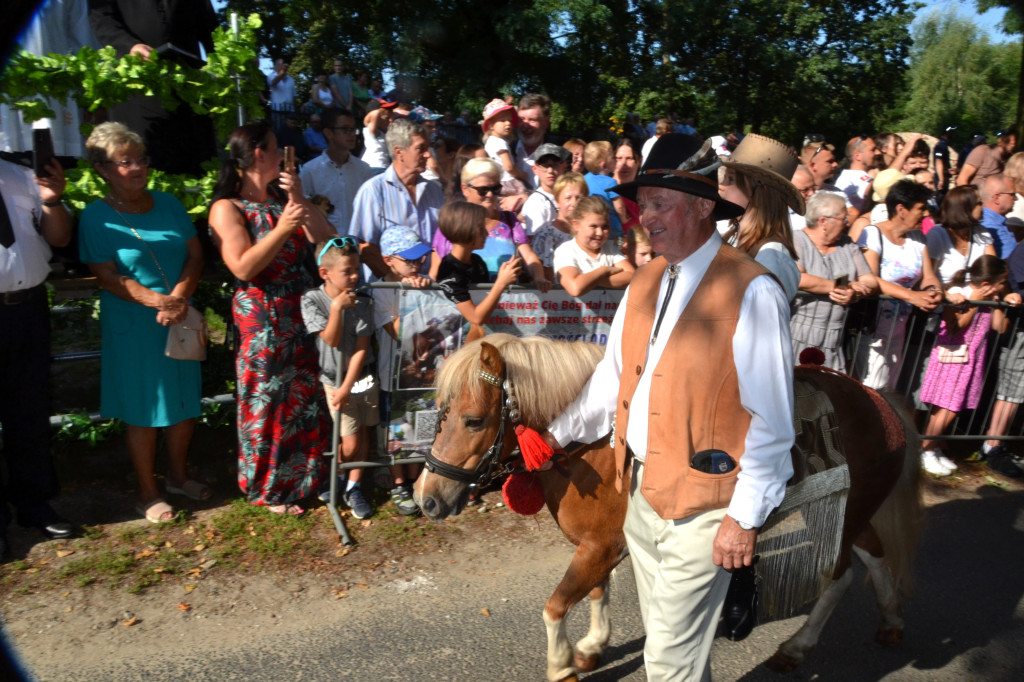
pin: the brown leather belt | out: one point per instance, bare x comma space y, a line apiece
21, 295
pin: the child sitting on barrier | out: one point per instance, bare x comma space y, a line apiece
636, 246
590, 260
404, 253
339, 318
956, 367
465, 226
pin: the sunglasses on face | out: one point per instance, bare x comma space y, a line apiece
485, 190
131, 163
337, 242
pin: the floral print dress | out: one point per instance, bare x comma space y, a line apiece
282, 420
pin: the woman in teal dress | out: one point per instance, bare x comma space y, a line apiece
265, 236
142, 247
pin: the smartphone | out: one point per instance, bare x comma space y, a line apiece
42, 151
712, 462
842, 280
289, 158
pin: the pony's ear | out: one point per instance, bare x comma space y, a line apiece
491, 360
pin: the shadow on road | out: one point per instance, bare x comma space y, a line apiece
965, 620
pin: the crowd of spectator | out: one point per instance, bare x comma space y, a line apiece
383, 190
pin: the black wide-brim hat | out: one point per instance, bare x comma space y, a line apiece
685, 164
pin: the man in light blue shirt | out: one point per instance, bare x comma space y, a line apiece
398, 196
997, 197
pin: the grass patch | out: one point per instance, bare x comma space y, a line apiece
107, 563
246, 528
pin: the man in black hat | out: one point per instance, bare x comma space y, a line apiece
700, 390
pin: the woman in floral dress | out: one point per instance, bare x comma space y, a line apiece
264, 235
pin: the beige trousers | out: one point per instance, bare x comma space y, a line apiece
680, 591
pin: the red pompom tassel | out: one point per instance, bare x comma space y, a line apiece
812, 356
523, 494
536, 451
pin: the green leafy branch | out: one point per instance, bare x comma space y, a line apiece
100, 79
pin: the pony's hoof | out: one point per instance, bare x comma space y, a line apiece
585, 662
888, 637
781, 663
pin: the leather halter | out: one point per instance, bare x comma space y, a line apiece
488, 469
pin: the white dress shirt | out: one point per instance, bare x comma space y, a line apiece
763, 355
26, 263
338, 183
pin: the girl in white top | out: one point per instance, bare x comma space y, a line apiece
500, 121
590, 260
959, 241
322, 96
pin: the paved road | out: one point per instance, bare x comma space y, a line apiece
966, 622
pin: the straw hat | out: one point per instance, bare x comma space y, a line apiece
682, 163
495, 107
883, 182
769, 162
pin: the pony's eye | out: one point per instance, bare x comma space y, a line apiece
473, 422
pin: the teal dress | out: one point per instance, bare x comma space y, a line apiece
139, 384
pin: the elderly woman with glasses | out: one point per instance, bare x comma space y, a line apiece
833, 274
142, 247
264, 235
506, 238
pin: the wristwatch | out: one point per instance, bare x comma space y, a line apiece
745, 526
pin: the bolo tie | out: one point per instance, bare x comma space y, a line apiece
673, 272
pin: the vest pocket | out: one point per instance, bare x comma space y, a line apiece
675, 494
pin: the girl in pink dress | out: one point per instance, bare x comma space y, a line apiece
956, 366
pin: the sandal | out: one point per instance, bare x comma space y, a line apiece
155, 511
289, 509
192, 489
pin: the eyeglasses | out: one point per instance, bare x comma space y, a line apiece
348, 130
126, 164
337, 242
1007, 194
414, 261
487, 189
808, 191
841, 218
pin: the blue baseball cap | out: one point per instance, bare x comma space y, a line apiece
403, 242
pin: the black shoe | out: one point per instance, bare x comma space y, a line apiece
1003, 464
740, 610
49, 523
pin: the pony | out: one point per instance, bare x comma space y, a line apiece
502, 380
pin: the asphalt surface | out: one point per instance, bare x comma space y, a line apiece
481, 620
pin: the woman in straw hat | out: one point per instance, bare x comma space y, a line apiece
756, 177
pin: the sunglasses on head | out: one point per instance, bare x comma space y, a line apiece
337, 242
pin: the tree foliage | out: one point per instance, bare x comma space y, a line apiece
781, 67
959, 77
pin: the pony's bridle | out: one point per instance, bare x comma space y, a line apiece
489, 467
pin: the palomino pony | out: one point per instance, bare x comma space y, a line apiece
488, 386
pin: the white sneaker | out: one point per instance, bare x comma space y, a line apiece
946, 462
930, 463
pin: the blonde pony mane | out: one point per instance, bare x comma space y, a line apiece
546, 375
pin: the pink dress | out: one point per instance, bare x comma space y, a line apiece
955, 386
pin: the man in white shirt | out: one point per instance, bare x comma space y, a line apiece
540, 207
337, 174
855, 181
534, 120
686, 531
282, 93
32, 219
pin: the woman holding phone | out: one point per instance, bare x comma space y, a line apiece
264, 234
833, 274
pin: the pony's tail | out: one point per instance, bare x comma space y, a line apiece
899, 521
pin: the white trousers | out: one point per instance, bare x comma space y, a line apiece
680, 591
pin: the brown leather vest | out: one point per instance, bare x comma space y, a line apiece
695, 399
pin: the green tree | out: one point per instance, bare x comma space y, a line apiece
958, 76
1012, 24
